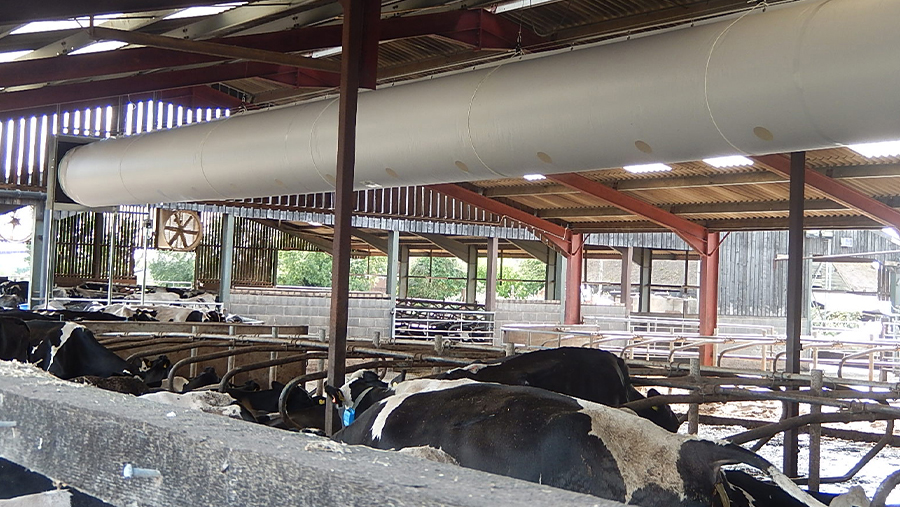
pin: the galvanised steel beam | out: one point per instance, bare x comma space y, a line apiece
360, 17
380, 244
558, 235
62, 9
694, 234
697, 236
457, 25
12, 101
837, 191
227, 51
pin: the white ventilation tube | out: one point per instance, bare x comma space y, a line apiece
810, 76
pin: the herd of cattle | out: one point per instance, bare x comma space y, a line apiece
547, 416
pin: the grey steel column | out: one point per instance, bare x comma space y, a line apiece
795, 292
393, 261
472, 274
490, 296
36, 288
645, 260
403, 286
551, 282
625, 278
226, 262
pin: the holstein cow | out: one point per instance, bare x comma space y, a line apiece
739, 489
304, 409
548, 438
589, 374
65, 349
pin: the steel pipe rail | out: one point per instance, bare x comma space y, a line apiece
881, 444
223, 384
217, 355
885, 488
176, 348
803, 420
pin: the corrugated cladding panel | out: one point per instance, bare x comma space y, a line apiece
660, 240
751, 283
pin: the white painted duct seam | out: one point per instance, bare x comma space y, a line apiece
811, 76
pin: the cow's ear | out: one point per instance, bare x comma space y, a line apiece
337, 397
399, 378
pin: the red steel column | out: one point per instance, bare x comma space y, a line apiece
709, 294
352, 71
574, 266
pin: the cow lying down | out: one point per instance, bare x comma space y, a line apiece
552, 439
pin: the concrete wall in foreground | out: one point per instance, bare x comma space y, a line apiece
84, 437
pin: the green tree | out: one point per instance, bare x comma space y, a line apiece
519, 278
440, 278
307, 269
172, 266
365, 271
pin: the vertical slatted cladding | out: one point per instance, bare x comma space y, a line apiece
255, 257
24, 141
409, 202
83, 244
209, 251
255, 251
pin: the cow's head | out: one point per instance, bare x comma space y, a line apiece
361, 391
661, 415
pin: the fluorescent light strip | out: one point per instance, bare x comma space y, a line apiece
322, 53
13, 55
193, 12
647, 168
873, 150
63, 24
534, 177
728, 161
99, 47
518, 4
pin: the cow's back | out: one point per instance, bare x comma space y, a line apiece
522, 432
589, 374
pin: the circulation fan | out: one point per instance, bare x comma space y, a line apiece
17, 226
178, 230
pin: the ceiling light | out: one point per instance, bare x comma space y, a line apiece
534, 177
728, 161
193, 12
12, 55
872, 150
647, 168
99, 47
63, 24
322, 53
518, 4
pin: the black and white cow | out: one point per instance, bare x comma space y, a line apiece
548, 438
740, 489
588, 374
67, 350
305, 410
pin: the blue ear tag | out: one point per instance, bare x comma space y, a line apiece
348, 416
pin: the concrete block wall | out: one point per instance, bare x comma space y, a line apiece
367, 314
